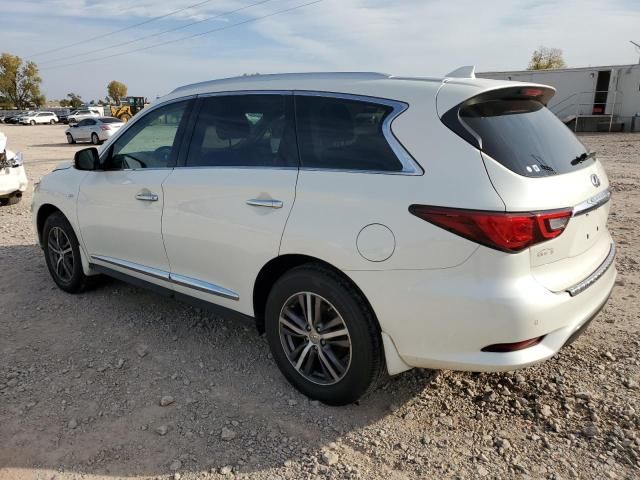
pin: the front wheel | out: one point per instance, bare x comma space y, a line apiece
62, 254
52, 122
70, 139
33, 122
323, 335
94, 139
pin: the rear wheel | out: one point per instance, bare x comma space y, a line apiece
323, 335
94, 139
62, 254
10, 200
70, 139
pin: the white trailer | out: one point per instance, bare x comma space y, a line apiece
603, 98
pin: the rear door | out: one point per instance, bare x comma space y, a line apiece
536, 163
227, 205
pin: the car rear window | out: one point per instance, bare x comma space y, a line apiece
522, 134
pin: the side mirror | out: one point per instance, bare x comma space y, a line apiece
87, 159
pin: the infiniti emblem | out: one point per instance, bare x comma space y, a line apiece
595, 180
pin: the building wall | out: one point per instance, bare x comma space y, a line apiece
575, 89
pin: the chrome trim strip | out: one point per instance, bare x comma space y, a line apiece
169, 277
136, 267
593, 278
203, 286
593, 203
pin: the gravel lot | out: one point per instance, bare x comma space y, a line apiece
83, 381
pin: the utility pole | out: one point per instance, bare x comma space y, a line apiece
637, 45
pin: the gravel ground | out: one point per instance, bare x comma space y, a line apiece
121, 382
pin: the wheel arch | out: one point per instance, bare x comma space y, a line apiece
278, 266
44, 212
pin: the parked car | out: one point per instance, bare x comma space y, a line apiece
13, 178
39, 118
14, 118
94, 130
83, 113
366, 222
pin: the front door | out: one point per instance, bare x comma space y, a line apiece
225, 210
120, 207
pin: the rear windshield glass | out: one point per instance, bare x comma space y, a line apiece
525, 137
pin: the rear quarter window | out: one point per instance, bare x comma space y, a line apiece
343, 134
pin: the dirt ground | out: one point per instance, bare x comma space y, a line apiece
81, 379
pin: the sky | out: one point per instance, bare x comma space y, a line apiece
401, 37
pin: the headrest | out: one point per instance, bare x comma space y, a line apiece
335, 124
233, 125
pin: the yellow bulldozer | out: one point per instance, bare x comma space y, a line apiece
127, 108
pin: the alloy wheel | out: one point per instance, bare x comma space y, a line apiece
60, 254
315, 338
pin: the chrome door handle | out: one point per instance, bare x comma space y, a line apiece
147, 197
254, 202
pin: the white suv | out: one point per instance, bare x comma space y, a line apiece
39, 118
83, 113
368, 223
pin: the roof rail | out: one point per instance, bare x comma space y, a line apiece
468, 71
284, 76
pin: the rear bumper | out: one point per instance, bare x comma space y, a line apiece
443, 318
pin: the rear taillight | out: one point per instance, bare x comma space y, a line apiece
509, 232
105, 127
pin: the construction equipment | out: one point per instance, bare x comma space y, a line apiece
127, 108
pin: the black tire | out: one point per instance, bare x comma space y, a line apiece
95, 139
70, 138
52, 122
77, 280
33, 123
366, 365
10, 200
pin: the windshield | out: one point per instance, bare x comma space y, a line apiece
524, 136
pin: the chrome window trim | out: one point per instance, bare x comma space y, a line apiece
174, 278
409, 165
595, 276
592, 203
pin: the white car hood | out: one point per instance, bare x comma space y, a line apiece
63, 165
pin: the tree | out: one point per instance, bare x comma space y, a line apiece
116, 90
20, 82
545, 58
75, 101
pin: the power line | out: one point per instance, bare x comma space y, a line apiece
135, 40
153, 19
251, 20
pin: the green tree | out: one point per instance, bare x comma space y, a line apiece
20, 82
116, 90
545, 58
75, 101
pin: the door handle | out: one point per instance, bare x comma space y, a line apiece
255, 202
147, 197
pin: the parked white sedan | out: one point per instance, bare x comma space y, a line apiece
94, 130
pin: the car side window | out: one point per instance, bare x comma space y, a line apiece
150, 142
90, 122
244, 131
82, 123
343, 134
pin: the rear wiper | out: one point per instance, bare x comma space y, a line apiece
581, 158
